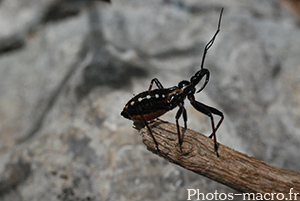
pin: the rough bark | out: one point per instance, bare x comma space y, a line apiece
232, 168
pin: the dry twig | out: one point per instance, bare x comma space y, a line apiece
232, 168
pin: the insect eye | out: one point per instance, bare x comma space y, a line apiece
183, 83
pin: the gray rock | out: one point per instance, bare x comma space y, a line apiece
62, 136
18, 20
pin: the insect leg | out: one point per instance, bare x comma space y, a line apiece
209, 111
157, 82
146, 123
217, 112
181, 111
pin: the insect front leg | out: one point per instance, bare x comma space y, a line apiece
157, 82
181, 111
209, 111
217, 112
198, 77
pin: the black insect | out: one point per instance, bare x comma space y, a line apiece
151, 104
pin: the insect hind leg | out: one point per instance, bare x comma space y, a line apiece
150, 131
157, 82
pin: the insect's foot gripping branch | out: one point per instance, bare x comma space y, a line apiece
216, 150
143, 124
166, 136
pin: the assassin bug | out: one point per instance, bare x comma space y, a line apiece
151, 104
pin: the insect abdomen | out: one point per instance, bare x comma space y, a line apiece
149, 104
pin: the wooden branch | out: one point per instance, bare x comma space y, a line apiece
234, 169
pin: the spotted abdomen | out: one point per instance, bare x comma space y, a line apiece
148, 104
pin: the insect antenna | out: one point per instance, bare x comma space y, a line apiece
203, 71
211, 42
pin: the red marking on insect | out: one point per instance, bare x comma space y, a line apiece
151, 104
149, 117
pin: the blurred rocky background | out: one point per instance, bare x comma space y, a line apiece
68, 67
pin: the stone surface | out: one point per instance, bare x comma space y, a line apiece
65, 77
